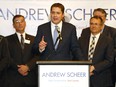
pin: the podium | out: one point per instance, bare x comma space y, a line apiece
63, 73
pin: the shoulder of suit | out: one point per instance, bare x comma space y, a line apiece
86, 30
29, 36
1, 37
105, 36
109, 27
10, 36
66, 23
110, 30
45, 24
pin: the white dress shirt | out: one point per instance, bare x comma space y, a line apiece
19, 36
96, 40
53, 27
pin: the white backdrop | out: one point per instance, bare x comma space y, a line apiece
36, 12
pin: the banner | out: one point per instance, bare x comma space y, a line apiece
63, 75
36, 12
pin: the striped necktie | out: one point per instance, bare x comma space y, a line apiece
92, 48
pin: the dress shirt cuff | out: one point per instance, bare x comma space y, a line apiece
41, 50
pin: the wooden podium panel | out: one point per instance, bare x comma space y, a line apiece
63, 73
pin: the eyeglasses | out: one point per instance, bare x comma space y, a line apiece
19, 21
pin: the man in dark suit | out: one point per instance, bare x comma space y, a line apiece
102, 56
108, 31
22, 71
111, 32
66, 42
4, 60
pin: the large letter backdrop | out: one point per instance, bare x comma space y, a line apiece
36, 12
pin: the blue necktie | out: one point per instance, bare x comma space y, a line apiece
55, 38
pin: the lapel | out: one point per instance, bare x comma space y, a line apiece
106, 30
86, 40
27, 41
27, 37
48, 36
15, 38
63, 33
98, 45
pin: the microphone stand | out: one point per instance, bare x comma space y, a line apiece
52, 52
58, 38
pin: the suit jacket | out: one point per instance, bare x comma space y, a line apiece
111, 32
69, 44
102, 58
4, 60
18, 57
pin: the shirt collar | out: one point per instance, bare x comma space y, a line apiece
97, 35
59, 25
19, 34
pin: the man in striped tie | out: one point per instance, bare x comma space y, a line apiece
99, 50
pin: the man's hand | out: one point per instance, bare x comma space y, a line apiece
23, 69
42, 44
92, 68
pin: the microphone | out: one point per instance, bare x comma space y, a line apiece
59, 34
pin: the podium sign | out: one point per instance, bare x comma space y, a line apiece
59, 75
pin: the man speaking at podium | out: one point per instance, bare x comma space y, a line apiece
57, 40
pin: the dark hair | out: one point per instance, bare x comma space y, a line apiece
100, 10
17, 16
59, 5
96, 17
